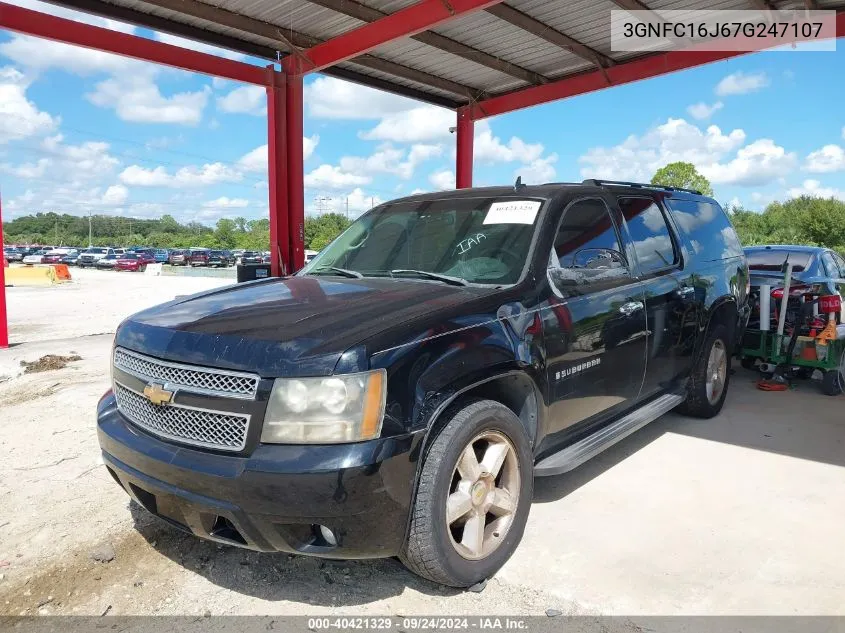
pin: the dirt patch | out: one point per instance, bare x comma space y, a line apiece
50, 362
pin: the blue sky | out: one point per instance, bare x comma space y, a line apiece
83, 131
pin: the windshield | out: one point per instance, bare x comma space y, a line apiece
773, 259
480, 240
129, 256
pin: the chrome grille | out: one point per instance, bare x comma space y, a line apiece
210, 429
216, 382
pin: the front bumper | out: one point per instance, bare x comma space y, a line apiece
275, 499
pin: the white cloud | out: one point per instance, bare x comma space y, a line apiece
825, 160
330, 98
76, 16
136, 97
175, 40
244, 100
703, 111
333, 177
490, 149
27, 170
353, 203
188, 176
390, 160
256, 160
443, 179
755, 164
226, 203
538, 171
115, 195
19, 117
740, 83
814, 188
416, 125
638, 157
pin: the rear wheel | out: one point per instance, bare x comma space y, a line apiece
473, 497
711, 374
833, 383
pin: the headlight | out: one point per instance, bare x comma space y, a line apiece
336, 409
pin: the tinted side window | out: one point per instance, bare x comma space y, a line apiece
841, 263
710, 231
586, 224
649, 233
830, 265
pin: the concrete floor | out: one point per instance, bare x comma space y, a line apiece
742, 514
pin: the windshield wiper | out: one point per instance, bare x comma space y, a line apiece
455, 281
341, 271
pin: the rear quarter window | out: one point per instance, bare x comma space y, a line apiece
707, 227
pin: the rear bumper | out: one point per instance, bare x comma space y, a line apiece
274, 499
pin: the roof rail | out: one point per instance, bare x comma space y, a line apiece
601, 183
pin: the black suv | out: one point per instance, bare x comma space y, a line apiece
399, 394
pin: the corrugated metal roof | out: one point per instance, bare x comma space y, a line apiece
485, 53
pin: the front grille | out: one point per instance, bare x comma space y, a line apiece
216, 382
209, 429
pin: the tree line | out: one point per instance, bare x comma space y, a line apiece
804, 220
165, 232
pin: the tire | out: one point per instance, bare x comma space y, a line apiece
142, 268
431, 549
699, 404
832, 383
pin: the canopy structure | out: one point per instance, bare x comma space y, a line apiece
480, 58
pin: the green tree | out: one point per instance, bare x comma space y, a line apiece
322, 229
684, 175
224, 234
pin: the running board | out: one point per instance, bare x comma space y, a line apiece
576, 454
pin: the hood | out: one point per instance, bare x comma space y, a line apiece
283, 327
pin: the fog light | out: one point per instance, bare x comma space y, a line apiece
328, 536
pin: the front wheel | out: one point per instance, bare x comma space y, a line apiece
473, 498
708, 382
833, 383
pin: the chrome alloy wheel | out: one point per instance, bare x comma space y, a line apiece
483, 496
717, 371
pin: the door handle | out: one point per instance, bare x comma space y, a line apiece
627, 309
686, 291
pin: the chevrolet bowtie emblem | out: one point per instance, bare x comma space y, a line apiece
157, 394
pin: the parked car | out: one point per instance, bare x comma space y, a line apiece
55, 256
135, 262
91, 256
219, 259
36, 258
161, 255
440, 354
815, 271
13, 254
198, 257
71, 258
109, 262
252, 257
236, 255
178, 258
309, 255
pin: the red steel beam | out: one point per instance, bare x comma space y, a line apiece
463, 158
39, 24
277, 173
296, 170
419, 17
622, 73
4, 320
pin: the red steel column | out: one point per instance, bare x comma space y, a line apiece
463, 161
296, 170
4, 322
277, 173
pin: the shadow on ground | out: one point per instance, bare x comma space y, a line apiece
280, 576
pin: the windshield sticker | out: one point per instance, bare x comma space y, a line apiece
515, 212
464, 245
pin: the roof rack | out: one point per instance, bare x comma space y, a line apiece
641, 185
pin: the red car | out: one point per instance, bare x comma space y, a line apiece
132, 262
199, 258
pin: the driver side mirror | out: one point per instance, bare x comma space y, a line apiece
591, 269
